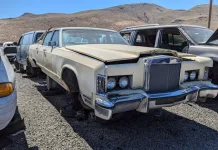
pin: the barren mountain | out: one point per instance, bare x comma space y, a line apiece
113, 18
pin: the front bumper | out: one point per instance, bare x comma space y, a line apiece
7, 109
126, 100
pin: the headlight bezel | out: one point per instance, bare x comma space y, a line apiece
118, 78
189, 75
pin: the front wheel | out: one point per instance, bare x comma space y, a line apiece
51, 84
21, 68
16, 64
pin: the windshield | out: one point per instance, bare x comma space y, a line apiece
198, 35
81, 37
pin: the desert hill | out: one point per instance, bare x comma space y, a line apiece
113, 18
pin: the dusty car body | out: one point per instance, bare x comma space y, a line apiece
8, 96
113, 77
25, 41
191, 39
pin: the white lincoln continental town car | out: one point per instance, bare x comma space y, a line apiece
112, 77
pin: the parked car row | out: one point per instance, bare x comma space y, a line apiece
110, 76
149, 70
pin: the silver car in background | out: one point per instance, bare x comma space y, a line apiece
25, 41
191, 39
8, 95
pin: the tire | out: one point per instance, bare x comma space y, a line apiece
17, 66
28, 70
51, 84
21, 69
31, 70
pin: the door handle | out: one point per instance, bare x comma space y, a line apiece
44, 50
37, 48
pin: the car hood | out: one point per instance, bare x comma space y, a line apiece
113, 52
213, 37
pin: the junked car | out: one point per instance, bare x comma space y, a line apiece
25, 41
11, 55
8, 95
112, 77
191, 39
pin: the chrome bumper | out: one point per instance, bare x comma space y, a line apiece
139, 100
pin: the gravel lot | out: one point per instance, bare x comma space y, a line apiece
182, 127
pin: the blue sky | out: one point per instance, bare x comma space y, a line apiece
14, 8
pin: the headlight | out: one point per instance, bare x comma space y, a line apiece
193, 75
6, 89
186, 76
111, 83
123, 82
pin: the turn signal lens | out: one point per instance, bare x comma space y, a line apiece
6, 89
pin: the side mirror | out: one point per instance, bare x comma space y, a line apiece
52, 43
15, 43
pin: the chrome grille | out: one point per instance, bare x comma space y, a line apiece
162, 74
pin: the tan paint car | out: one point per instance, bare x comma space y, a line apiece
114, 77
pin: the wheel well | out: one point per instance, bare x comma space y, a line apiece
70, 79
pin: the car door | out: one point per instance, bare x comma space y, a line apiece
48, 57
173, 39
44, 50
19, 46
24, 48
